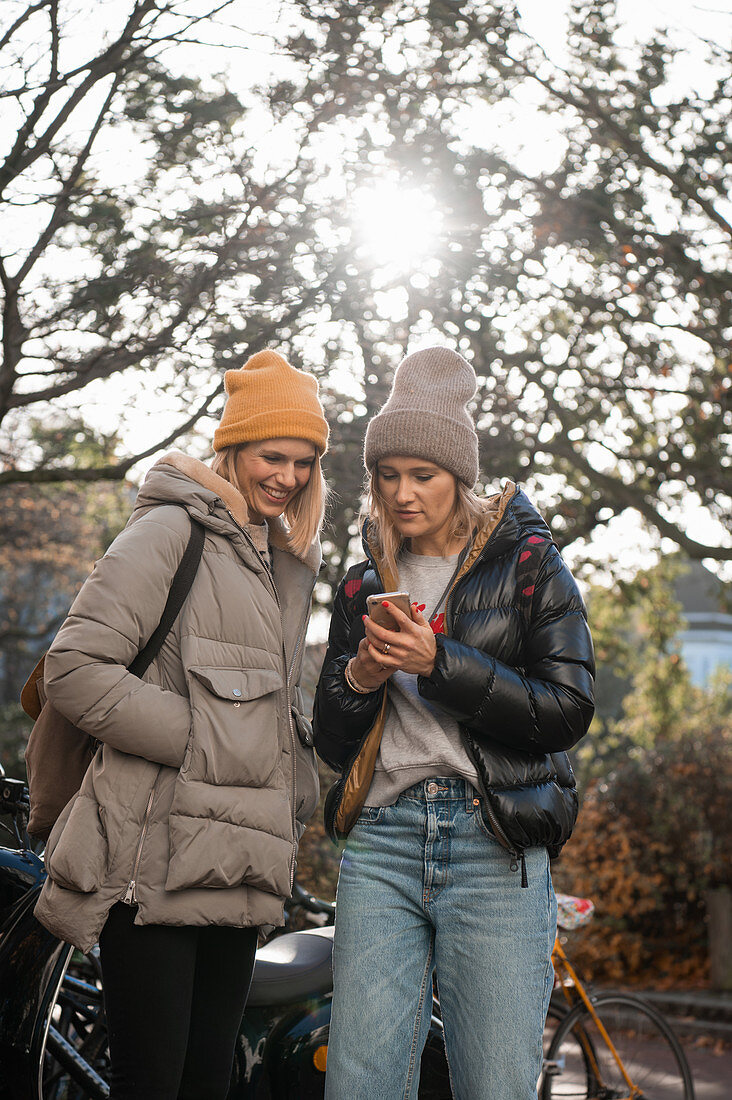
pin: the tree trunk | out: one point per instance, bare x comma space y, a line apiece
719, 910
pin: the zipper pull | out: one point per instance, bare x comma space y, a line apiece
516, 858
129, 898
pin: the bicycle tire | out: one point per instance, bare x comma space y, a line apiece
556, 1013
74, 1054
582, 1066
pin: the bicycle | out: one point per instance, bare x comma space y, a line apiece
607, 1046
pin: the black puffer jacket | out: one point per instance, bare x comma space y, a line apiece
514, 667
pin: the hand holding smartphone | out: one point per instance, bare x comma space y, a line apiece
414, 655
381, 615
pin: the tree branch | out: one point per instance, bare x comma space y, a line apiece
116, 472
23, 18
21, 155
629, 497
62, 199
12, 342
586, 101
53, 15
32, 635
115, 359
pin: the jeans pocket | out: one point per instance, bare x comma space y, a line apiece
483, 824
370, 815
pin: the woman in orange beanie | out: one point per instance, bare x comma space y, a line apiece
271, 402
181, 843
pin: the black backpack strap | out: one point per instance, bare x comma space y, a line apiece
179, 589
531, 557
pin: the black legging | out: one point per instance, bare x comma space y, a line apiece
174, 999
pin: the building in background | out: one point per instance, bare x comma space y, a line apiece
706, 642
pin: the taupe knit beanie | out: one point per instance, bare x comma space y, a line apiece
425, 414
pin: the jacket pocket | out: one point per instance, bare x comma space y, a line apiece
307, 782
234, 726
76, 855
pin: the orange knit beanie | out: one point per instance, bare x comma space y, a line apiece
269, 399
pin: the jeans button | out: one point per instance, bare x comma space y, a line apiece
432, 788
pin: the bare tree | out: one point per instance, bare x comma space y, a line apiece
590, 287
143, 230
593, 295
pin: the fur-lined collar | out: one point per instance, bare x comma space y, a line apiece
493, 510
235, 503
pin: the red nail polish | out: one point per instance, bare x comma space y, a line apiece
384, 603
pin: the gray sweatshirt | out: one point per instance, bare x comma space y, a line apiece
419, 741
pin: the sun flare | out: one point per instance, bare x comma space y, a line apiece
398, 226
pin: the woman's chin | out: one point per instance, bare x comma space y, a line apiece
409, 529
270, 508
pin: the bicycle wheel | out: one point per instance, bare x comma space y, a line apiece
581, 1066
556, 1012
74, 1055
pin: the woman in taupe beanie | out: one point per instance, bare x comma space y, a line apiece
450, 730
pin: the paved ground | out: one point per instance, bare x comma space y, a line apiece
651, 1066
711, 1068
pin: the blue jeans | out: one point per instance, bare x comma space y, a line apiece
424, 887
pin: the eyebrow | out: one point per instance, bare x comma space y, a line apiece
278, 454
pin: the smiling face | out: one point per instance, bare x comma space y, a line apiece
271, 473
420, 499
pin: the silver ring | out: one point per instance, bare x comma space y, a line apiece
386, 648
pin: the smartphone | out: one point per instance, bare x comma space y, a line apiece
381, 614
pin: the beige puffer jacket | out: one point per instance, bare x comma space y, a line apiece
195, 803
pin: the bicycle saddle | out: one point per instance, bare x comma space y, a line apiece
293, 966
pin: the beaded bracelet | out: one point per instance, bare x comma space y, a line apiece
353, 682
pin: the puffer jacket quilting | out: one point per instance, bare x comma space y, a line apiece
522, 693
202, 786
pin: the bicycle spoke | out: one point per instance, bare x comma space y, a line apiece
581, 1065
75, 1059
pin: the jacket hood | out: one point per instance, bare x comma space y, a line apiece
211, 499
510, 519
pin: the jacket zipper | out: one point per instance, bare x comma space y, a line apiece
288, 672
130, 896
517, 855
293, 734
345, 776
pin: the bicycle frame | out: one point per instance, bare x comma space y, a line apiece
574, 992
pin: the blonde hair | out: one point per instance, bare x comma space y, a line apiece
304, 514
384, 535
